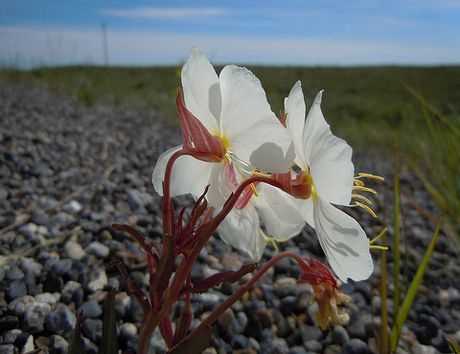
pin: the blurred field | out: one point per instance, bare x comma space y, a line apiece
414, 110
365, 105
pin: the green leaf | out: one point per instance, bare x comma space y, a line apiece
76, 341
109, 341
454, 346
195, 343
413, 289
396, 240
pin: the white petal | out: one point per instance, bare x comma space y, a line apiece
241, 229
220, 186
344, 242
278, 212
189, 175
266, 145
244, 103
305, 207
294, 106
329, 158
201, 90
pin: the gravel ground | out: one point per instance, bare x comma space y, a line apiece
67, 172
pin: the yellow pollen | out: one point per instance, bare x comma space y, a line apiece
367, 208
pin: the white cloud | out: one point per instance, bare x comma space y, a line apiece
35, 46
164, 13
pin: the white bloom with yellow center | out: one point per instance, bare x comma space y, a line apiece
326, 159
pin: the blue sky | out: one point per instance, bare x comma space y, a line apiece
328, 32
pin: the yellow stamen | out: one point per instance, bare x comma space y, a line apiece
254, 190
367, 208
378, 247
379, 236
365, 189
358, 182
370, 176
362, 198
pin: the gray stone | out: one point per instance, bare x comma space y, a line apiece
98, 249
72, 207
313, 346
29, 345
339, 335
98, 280
90, 309
19, 305
7, 349
61, 320
17, 288
14, 273
92, 329
30, 266
138, 200
74, 251
34, 317
58, 345
356, 346
10, 336
47, 298
309, 333
285, 286
128, 331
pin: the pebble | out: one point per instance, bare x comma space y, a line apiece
98, 249
10, 336
356, 346
60, 320
92, 329
58, 345
72, 207
47, 298
90, 309
17, 288
19, 306
98, 280
14, 273
7, 349
73, 250
30, 266
29, 345
285, 286
35, 315
339, 335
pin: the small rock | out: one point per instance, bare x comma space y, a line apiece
18, 306
92, 329
72, 207
309, 333
98, 249
17, 288
14, 273
356, 346
47, 298
29, 230
29, 346
285, 286
418, 348
30, 266
138, 200
339, 335
279, 346
128, 331
313, 346
74, 250
90, 309
58, 345
10, 336
98, 280
61, 320
333, 349
7, 349
34, 317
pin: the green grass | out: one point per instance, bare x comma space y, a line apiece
365, 105
413, 108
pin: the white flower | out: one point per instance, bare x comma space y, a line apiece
258, 205
232, 107
326, 161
